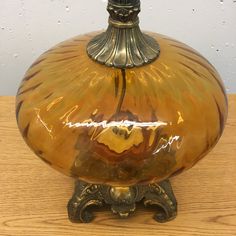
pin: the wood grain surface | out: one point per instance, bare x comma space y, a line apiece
33, 197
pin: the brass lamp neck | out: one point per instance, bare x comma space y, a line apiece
123, 45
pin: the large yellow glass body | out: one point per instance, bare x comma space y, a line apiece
121, 127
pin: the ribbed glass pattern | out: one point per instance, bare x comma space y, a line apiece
116, 126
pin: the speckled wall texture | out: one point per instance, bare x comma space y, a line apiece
29, 27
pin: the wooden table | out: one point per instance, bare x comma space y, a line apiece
33, 197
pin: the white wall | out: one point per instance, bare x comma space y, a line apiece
29, 27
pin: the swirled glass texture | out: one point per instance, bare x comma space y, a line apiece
121, 126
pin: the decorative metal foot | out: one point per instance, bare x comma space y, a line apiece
122, 200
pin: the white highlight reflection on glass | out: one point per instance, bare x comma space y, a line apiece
168, 144
124, 123
43, 123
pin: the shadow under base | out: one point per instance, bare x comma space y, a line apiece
122, 200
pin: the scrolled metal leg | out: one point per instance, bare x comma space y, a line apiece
162, 196
122, 200
85, 196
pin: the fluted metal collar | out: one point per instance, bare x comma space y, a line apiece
123, 45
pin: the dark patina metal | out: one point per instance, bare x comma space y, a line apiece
123, 45
122, 200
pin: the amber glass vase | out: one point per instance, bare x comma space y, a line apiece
121, 108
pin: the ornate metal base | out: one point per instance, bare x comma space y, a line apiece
122, 200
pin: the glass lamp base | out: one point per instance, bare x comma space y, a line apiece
122, 200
